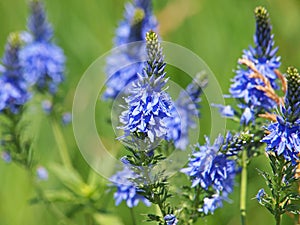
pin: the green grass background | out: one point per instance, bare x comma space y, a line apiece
216, 30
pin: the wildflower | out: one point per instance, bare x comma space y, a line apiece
43, 62
13, 93
66, 118
211, 204
226, 111
184, 113
42, 173
264, 58
126, 189
6, 157
138, 20
171, 219
261, 193
148, 105
208, 167
284, 137
47, 106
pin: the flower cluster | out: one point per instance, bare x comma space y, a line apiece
138, 20
13, 93
171, 219
126, 189
211, 169
284, 137
263, 56
42, 61
185, 112
148, 105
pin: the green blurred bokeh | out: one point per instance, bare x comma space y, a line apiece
216, 30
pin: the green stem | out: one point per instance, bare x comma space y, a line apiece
132, 216
63, 150
243, 192
278, 219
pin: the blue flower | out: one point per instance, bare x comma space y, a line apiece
225, 111
43, 65
284, 139
264, 58
209, 167
42, 61
38, 25
13, 92
42, 173
126, 189
171, 219
47, 106
210, 204
148, 105
6, 157
261, 193
66, 118
284, 136
138, 20
185, 112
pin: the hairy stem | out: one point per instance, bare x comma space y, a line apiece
243, 191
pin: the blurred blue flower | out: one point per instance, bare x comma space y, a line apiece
42, 173
284, 137
6, 157
185, 112
208, 167
126, 189
66, 118
212, 203
148, 105
13, 92
47, 106
138, 20
260, 195
171, 219
263, 55
38, 24
225, 111
42, 61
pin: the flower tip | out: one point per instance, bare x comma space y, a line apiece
151, 36
261, 13
138, 16
291, 70
15, 39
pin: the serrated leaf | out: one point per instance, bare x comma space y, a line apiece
152, 217
293, 208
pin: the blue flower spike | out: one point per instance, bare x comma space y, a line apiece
185, 112
43, 61
138, 20
284, 132
210, 168
14, 88
263, 60
148, 105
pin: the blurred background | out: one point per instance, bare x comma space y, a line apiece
217, 31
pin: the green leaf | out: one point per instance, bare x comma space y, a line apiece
72, 180
293, 208
59, 196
